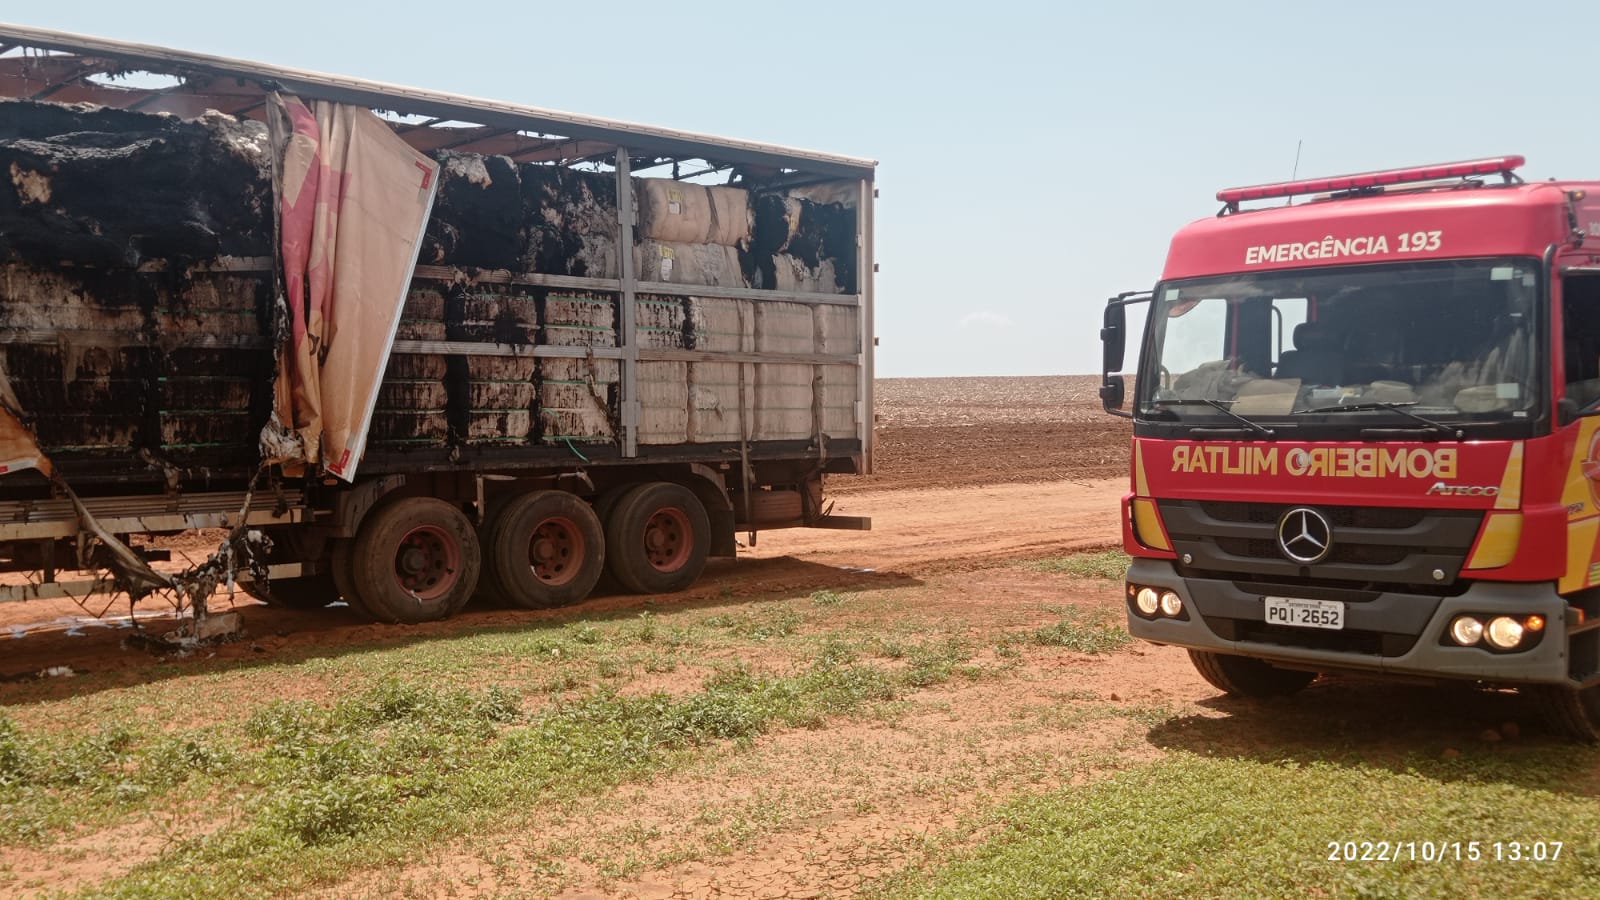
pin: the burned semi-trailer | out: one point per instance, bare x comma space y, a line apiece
406, 346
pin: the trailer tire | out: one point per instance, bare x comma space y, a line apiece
488, 594
416, 559
606, 502
603, 505
1242, 676
341, 560
302, 592
657, 538
1570, 712
545, 549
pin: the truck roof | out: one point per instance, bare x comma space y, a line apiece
63, 68
1464, 219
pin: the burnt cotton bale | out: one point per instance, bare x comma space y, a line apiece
571, 221
111, 188
477, 218
810, 232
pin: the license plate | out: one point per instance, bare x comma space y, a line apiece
1300, 613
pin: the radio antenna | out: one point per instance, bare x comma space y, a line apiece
1296, 173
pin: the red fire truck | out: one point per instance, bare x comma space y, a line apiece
1367, 435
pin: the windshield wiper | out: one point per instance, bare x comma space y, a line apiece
1256, 427
1400, 408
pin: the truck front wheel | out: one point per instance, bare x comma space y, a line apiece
1568, 711
657, 538
545, 549
415, 559
1243, 676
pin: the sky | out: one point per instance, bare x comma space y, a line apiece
1034, 157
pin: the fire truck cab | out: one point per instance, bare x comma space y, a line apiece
1367, 435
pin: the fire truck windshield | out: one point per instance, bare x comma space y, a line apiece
1451, 341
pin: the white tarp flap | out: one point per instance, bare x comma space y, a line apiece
353, 201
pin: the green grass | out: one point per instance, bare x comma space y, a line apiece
828, 598
348, 772
1207, 827
312, 791
1082, 635
322, 790
1111, 564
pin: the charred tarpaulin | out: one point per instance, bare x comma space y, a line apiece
244, 549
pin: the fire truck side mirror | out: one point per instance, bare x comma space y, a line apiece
1113, 338
1112, 390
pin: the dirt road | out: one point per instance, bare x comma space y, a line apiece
934, 529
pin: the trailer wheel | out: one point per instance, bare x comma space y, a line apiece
342, 561
1568, 711
302, 592
546, 549
1242, 676
657, 538
606, 502
415, 560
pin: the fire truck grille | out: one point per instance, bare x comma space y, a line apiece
1424, 548
1359, 554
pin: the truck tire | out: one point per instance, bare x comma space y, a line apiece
606, 502
1242, 676
603, 505
488, 594
341, 560
415, 559
1568, 711
657, 538
545, 549
302, 592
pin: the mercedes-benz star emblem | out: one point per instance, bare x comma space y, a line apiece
1304, 535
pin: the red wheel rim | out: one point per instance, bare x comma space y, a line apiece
668, 539
427, 561
556, 550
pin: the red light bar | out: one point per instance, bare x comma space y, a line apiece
1495, 165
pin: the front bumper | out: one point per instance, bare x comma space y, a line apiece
1231, 609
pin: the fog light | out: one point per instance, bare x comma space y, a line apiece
1466, 630
1171, 603
1147, 601
1504, 632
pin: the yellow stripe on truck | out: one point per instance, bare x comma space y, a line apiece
1510, 496
1147, 525
1497, 545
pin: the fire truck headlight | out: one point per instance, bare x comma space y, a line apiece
1504, 632
1171, 603
1147, 600
1466, 630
